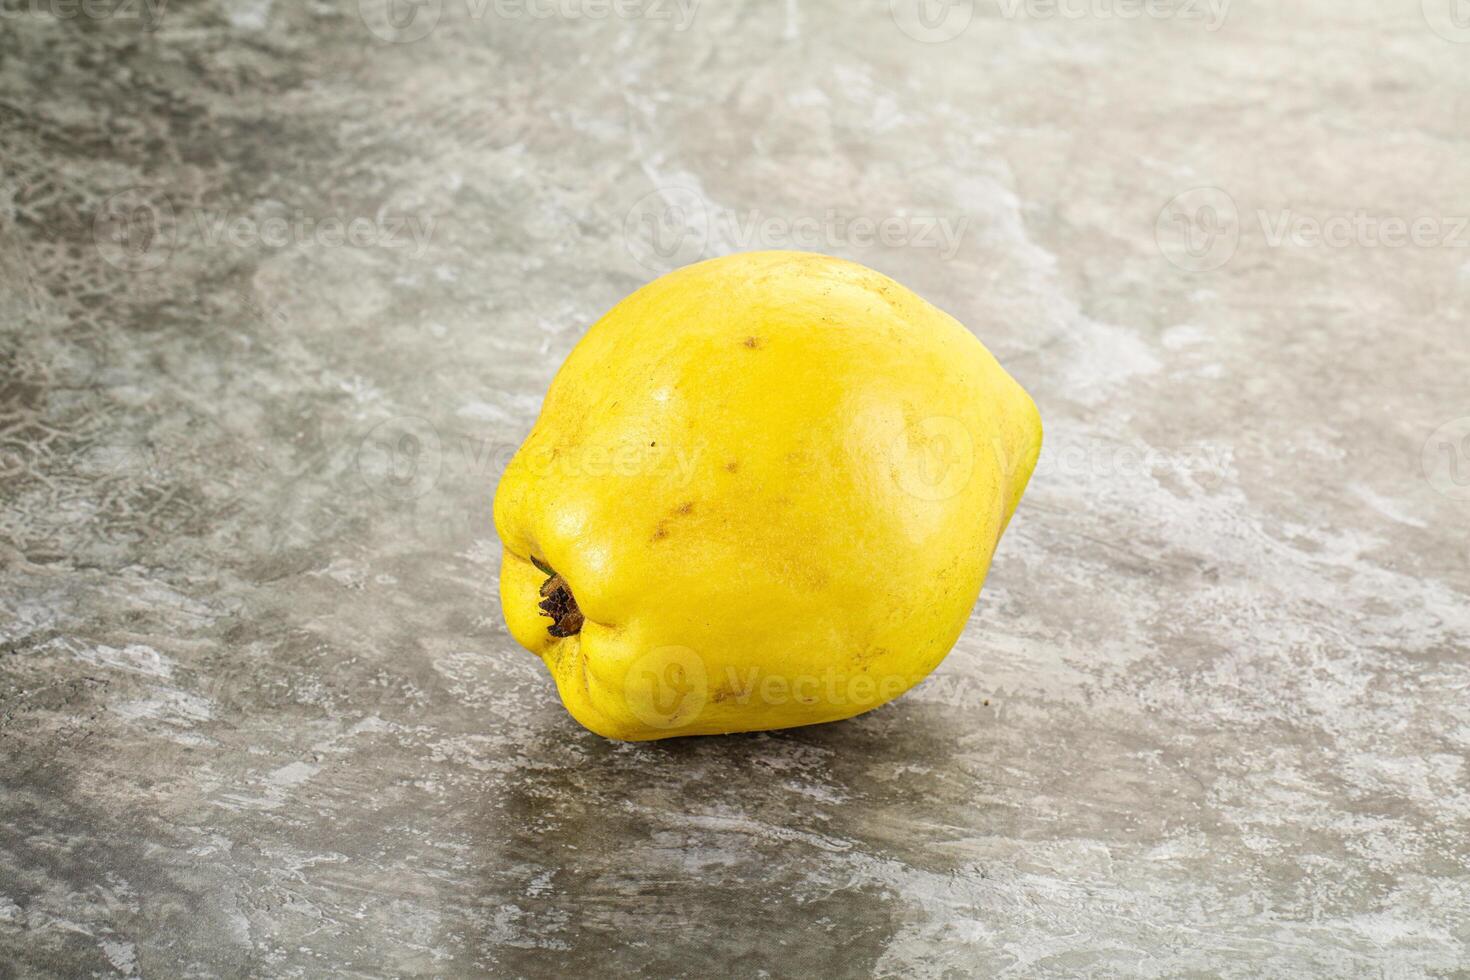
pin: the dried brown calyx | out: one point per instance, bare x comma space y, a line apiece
558, 602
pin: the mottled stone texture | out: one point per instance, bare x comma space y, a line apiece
259, 714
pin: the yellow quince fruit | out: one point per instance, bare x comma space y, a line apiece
763, 491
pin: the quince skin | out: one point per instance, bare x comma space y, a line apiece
763, 491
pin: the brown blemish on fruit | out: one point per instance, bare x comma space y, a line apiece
558, 602
661, 529
753, 343
732, 466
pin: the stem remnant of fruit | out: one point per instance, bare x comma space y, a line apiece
558, 602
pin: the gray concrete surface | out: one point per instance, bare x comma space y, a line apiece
259, 714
